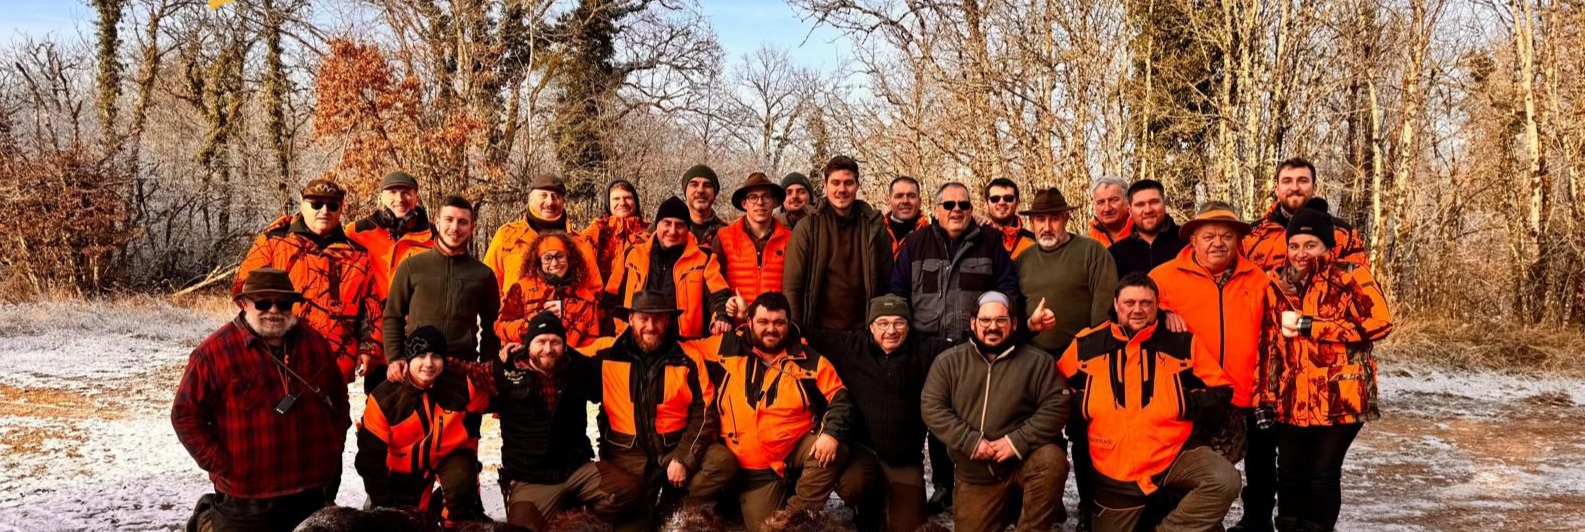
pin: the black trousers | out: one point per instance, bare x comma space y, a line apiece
1260, 473
276, 514
1310, 472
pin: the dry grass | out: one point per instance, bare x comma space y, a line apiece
1521, 349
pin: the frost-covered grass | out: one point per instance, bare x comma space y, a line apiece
86, 442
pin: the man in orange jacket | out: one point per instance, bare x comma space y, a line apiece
398, 230
335, 274
782, 409
547, 211
1267, 243
751, 251
1141, 389
672, 263
1220, 296
1112, 221
1001, 209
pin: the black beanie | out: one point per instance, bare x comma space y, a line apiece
673, 207
1313, 219
426, 339
544, 323
700, 170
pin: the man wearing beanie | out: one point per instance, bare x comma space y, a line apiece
1294, 184
412, 434
672, 263
543, 389
838, 259
885, 368
1000, 408
799, 203
700, 187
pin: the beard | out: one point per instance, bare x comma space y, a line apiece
768, 343
272, 329
648, 343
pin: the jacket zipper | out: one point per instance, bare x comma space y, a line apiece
985, 402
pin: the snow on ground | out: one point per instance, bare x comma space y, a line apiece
86, 442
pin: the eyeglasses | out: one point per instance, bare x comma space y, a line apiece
893, 325
1006, 198
325, 205
758, 198
999, 322
957, 205
264, 305
553, 257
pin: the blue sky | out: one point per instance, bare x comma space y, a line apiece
743, 26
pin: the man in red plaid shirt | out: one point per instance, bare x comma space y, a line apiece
262, 407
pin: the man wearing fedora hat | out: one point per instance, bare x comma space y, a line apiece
1220, 296
335, 274
1067, 279
547, 211
752, 250
263, 409
655, 417
543, 389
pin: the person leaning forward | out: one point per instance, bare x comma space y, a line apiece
655, 418
1007, 444
1141, 389
784, 414
543, 388
263, 409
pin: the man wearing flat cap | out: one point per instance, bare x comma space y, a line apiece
543, 389
263, 409
700, 186
752, 250
335, 274
999, 407
547, 211
413, 433
399, 229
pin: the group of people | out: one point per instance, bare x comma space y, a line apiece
810, 347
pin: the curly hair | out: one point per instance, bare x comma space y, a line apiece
576, 268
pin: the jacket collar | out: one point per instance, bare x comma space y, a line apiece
336, 236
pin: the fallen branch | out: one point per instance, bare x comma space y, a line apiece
213, 276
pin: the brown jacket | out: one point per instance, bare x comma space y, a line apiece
803, 275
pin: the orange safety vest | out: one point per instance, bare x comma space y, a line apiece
695, 276
1134, 396
1098, 232
337, 283
750, 271
1226, 317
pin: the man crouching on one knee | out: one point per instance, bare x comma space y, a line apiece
1000, 409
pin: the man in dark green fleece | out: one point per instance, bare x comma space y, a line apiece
999, 407
1067, 280
445, 287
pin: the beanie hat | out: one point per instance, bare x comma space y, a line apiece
544, 323
888, 305
673, 207
795, 178
700, 170
994, 297
1313, 219
426, 339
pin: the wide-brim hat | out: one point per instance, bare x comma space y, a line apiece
1213, 212
652, 302
269, 282
1048, 201
757, 181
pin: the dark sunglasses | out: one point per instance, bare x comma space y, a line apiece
325, 205
264, 305
1009, 198
957, 205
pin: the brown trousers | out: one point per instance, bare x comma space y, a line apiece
609, 491
703, 486
1037, 483
1207, 481
877, 490
763, 493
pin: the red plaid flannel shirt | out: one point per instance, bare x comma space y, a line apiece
224, 413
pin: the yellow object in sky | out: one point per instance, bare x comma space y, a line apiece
215, 4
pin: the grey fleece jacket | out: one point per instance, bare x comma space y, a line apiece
970, 397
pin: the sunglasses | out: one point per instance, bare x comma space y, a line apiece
1008, 198
325, 205
957, 205
264, 305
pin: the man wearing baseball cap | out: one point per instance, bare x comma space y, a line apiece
399, 229
336, 275
546, 459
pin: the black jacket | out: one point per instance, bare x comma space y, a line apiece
885, 390
541, 446
1133, 254
942, 282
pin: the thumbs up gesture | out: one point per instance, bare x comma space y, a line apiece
1042, 319
736, 307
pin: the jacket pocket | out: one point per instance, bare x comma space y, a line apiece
1347, 384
